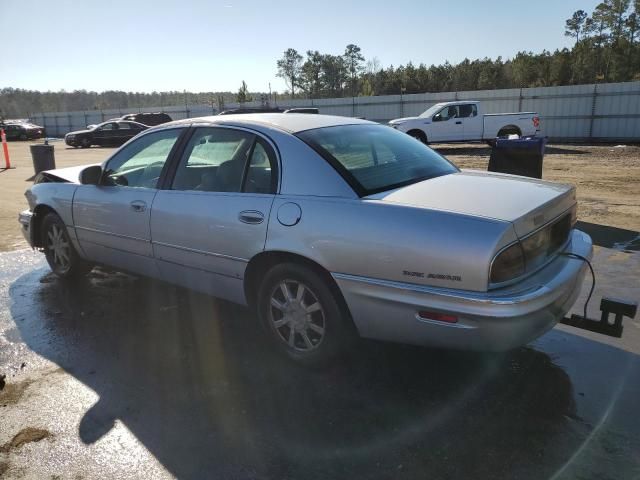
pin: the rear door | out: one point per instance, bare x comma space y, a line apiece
112, 219
213, 217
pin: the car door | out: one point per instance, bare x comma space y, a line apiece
112, 218
103, 135
471, 121
213, 218
446, 125
125, 132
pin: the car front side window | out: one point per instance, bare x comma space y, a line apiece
141, 162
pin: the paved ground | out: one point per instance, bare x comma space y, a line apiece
118, 377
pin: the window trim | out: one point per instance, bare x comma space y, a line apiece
163, 174
351, 180
192, 128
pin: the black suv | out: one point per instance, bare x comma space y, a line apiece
149, 119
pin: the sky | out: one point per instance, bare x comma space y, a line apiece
211, 45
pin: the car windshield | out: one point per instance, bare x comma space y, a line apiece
375, 158
431, 110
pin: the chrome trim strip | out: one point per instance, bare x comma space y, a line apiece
210, 272
201, 252
478, 297
119, 235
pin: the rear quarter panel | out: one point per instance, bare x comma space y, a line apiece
392, 242
494, 123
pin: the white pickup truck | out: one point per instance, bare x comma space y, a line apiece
464, 122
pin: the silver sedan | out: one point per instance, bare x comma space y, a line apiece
329, 227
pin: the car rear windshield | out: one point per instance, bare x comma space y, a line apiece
375, 158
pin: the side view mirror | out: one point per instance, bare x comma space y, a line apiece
91, 175
437, 117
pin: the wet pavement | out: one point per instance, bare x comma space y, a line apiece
119, 377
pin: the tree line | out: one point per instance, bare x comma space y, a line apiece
606, 49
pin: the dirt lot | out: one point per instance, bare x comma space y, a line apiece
607, 178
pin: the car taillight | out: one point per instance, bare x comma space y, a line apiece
536, 122
508, 264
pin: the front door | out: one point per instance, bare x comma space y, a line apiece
213, 219
112, 219
446, 126
106, 135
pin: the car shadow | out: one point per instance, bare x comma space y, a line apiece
195, 381
611, 237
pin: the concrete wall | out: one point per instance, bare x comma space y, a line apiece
604, 112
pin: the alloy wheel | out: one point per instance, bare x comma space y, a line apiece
297, 315
59, 248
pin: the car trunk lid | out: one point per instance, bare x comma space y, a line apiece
526, 203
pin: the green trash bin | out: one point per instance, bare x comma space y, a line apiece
43, 158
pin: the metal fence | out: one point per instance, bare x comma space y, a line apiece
599, 112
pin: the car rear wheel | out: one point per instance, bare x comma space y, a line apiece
85, 143
302, 315
58, 249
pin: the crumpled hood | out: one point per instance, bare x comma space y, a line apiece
527, 203
69, 174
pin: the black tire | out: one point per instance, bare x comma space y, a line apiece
24, 137
317, 349
509, 131
85, 143
418, 135
59, 250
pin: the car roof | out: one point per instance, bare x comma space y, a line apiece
290, 122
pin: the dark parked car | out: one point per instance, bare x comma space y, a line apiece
22, 131
150, 119
105, 134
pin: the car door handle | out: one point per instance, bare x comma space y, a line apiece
251, 216
459, 123
138, 206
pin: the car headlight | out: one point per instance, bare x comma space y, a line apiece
70, 137
508, 264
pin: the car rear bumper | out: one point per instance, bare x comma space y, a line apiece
24, 218
497, 320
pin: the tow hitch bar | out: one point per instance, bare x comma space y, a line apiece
620, 308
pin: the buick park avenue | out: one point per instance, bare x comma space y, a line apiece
328, 227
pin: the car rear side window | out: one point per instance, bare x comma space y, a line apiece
375, 158
214, 160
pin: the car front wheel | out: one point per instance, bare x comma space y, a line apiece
303, 316
85, 143
58, 249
